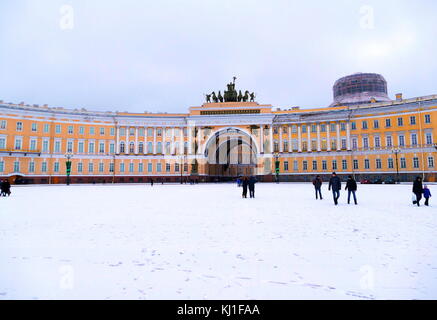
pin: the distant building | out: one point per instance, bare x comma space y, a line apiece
364, 133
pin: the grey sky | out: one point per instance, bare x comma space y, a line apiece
164, 55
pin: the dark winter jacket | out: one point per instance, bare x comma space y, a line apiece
426, 193
335, 184
245, 183
251, 183
351, 185
317, 182
417, 187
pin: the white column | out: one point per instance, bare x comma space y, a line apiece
136, 140
181, 141
172, 143
127, 141
281, 148
328, 136
199, 140
309, 137
271, 138
319, 144
117, 140
154, 140
348, 136
338, 137
289, 140
145, 140
299, 138
261, 138
190, 137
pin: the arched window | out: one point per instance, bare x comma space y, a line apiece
131, 147
141, 148
122, 147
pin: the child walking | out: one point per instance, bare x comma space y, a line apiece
426, 195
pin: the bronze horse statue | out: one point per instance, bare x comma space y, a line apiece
214, 97
208, 98
246, 96
252, 97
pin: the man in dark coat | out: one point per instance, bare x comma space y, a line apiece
251, 183
351, 187
245, 185
6, 188
317, 182
418, 190
335, 184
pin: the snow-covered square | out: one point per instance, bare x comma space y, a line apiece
206, 242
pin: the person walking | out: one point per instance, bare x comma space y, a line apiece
6, 188
251, 183
335, 184
351, 187
418, 190
2, 188
426, 195
317, 182
245, 185
239, 182
151, 182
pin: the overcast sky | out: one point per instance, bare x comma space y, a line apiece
164, 55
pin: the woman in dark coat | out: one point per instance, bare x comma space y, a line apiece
245, 185
418, 190
351, 187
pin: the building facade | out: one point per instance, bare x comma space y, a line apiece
220, 141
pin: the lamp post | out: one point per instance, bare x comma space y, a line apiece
396, 152
277, 163
68, 156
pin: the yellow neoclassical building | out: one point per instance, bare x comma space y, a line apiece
363, 133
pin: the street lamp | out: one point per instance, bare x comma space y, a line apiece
277, 164
396, 152
68, 156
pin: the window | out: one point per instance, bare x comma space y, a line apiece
149, 147
304, 128
141, 132
121, 167
313, 128
122, 147
150, 132
390, 163
285, 146
333, 144
305, 165
365, 142
343, 126
80, 167
364, 125
149, 167
176, 167
428, 137
101, 147
427, 118
34, 127
378, 164
387, 123
140, 167
16, 166
44, 167
324, 165
102, 131
32, 145
70, 146
18, 143
334, 164
19, 126
31, 167
56, 167
158, 167
185, 167
275, 130
333, 127
413, 139
159, 132
70, 129
354, 125
389, 141
416, 163
323, 127
58, 129
343, 143
285, 165
430, 162
80, 147
46, 128
111, 167
91, 147
400, 122
2, 143
81, 130
294, 129
57, 146
167, 147
101, 167
2, 166
354, 143
167, 167
314, 165
141, 147
295, 165
314, 145
344, 164
131, 132
131, 167
112, 148
401, 141
122, 132
3, 124
376, 124
112, 131
159, 147
377, 142
403, 163
412, 120
92, 131
366, 164
356, 164
45, 146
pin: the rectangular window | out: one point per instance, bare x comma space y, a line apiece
333, 127
295, 165
111, 167
102, 147
121, 167
343, 144
354, 144
131, 167
390, 163
70, 146
334, 164
45, 146
343, 126
412, 120
140, 167
112, 148
102, 131
323, 127
32, 145
159, 132
313, 128
403, 163
149, 167
80, 167
81, 130
378, 164
90, 167
167, 167
364, 125
366, 164
387, 123
176, 167
56, 167
401, 141
150, 132
112, 131
58, 146
376, 124
2, 166
159, 167
305, 165
344, 164
428, 138
354, 125
19, 126
2, 143
427, 118
91, 147
389, 141
70, 129
44, 167
34, 127
92, 130
16, 166
304, 128
58, 129
324, 165
413, 139
18, 143
46, 128
365, 142
101, 167
314, 165
80, 148
356, 164
430, 162
31, 167
400, 122
3, 124
416, 163
377, 142
285, 165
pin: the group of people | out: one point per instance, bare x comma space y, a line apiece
5, 188
418, 190
351, 187
247, 183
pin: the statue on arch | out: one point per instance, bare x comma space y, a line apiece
214, 97
220, 97
208, 98
246, 96
240, 96
252, 97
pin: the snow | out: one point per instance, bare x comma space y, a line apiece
205, 242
